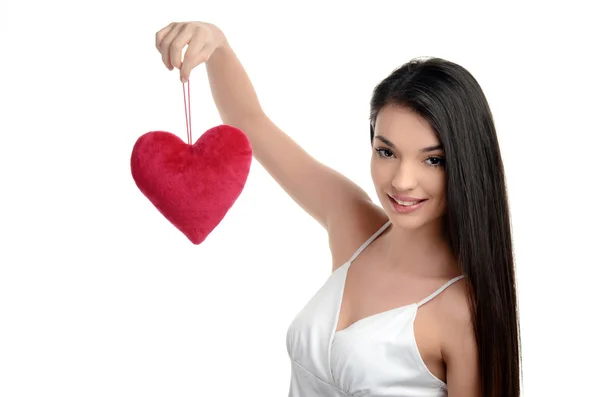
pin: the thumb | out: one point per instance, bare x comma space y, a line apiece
193, 59
184, 69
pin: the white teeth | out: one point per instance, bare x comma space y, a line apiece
406, 203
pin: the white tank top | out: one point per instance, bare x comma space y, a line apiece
376, 356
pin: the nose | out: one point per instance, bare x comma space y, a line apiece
404, 178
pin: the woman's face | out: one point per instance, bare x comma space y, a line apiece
407, 166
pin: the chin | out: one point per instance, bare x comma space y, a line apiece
406, 222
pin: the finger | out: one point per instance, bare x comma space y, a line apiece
166, 44
160, 38
183, 38
197, 52
160, 35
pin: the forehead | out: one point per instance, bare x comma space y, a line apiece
404, 128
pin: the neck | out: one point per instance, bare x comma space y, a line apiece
422, 252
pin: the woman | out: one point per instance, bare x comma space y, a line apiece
422, 298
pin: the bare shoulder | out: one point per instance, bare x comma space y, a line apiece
458, 343
454, 304
348, 230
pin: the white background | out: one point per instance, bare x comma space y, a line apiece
101, 296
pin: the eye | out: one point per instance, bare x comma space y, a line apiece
384, 153
435, 161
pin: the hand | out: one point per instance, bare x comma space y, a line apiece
201, 38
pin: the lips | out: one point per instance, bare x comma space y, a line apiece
406, 207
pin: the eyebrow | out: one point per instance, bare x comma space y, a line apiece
423, 150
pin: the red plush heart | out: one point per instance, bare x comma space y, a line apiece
193, 186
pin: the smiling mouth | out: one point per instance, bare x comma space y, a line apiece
406, 203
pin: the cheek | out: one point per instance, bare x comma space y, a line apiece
438, 190
380, 175
441, 186
436, 186
375, 172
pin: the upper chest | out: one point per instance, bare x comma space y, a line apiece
368, 290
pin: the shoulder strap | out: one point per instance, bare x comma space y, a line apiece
440, 290
370, 240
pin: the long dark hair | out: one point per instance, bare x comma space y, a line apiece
477, 219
